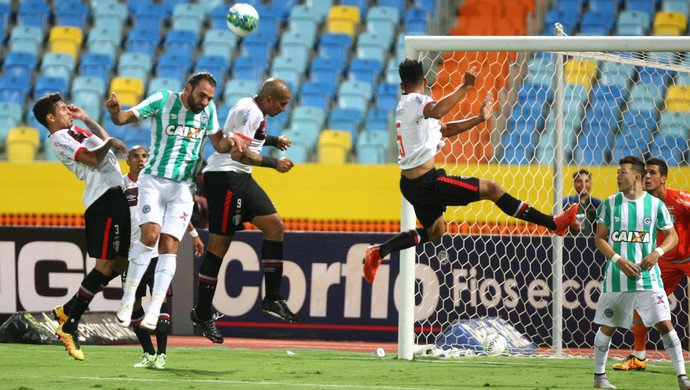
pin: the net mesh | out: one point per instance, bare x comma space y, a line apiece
614, 104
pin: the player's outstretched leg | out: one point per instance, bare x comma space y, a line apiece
564, 219
372, 261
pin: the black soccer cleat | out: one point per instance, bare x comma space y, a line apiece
208, 328
278, 308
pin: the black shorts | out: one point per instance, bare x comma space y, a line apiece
430, 193
146, 280
107, 226
234, 198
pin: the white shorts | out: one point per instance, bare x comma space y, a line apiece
167, 203
615, 309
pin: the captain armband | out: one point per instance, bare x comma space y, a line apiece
271, 140
270, 162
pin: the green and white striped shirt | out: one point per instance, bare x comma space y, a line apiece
633, 226
177, 135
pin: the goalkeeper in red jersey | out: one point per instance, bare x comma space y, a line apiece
674, 265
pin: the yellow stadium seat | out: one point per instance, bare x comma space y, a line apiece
22, 144
581, 66
667, 23
343, 19
334, 146
66, 39
583, 79
678, 92
678, 105
129, 90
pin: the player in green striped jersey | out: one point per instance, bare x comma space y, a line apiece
626, 236
181, 121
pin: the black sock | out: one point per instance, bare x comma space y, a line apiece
404, 240
524, 211
162, 329
272, 260
90, 286
206, 287
144, 338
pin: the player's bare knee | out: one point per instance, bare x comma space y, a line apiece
491, 190
436, 231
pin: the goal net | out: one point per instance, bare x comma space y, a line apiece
563, 104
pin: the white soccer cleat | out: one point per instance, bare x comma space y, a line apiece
602, 382
150, 322
124, 315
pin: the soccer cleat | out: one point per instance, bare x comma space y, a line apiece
372, 261
124, 315
631, 363
278, 308
150, 322
59, 314
602, 382
71, 341
683, 382
564, 219
146, 361
159, 363
208, 328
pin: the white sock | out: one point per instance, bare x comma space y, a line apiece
601, 352
642, 355
165, 270
675, 352
139, 260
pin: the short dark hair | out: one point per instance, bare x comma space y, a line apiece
663, 167
582, 172
195, 78
636, 162
46, 105
411, 72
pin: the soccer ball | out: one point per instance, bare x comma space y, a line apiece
242, 19
495, 344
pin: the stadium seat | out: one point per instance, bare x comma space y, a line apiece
258, 47
398, 5
335, 47
347, 119
671, 149
299, 150
150, 18
236, 89
383, 21
22, 144
89, 90
103, 40
334, 146
355, 95
217, 66
646, 6
110, 10
309, 121
65, 39
171, 84
343, 19
181, 42
26, 39
371, 46
219, 43
10, 116
129, 90
71, 13
58, 65
677, 93
173, 64
96, 65
33, 13
189, 16
48, 84
365, 70
133, 64
681, 6
247, 68
297, 45
143, 39
387, 96
377, 119
391, 73
19, 64
372, 147
674, 123
670, 23
315, 94
415, 21
326, 72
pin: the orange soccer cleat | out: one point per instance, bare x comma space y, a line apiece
564, 219
372, 261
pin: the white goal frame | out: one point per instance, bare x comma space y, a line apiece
416, 44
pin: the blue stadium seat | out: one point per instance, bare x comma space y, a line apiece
399, 5
297, 45
672, 149
236, 89
365, 70
387, 96
219, 43
189, 16
326, 72
634, 23
370, 45
257, 46
383, 21
20, 64
96, 65
371, 147
518, 148
642, 94
71, 13
26, 39
171, 84
305, 12
316, 94
345, 119
57, 65
173, 64
646, 6
33, 13
48, 84
288, 69
133, 64
299, 150
11, 90
335, 47
306, 30
143, 39
355, 95
103, 40
217, 66
10, 116
392, 75
219, 16
248, 68
94, 87
377, 119
150, 18
595, 23
608, 8
675, 123
651, 75
415, 21
681, 6
181, 42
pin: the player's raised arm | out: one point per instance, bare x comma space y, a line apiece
456, 127
443, 106
118, 116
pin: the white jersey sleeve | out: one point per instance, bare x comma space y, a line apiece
418, 137
247, 121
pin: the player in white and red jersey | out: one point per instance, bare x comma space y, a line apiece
674, 265
234, 197
89, 155
430, 190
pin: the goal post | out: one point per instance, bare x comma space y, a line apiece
481, 259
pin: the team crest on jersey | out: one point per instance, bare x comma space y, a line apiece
631, 236
418, 100
647, 221
660, 300
608, 313
203, 118
146, 209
